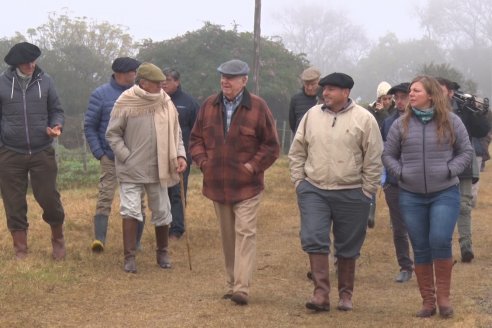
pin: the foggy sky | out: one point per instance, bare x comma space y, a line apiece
161, 20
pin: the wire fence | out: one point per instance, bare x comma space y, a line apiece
84, 158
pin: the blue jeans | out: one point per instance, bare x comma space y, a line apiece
430, 221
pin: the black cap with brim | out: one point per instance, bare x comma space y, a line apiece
340, 80
402, 87
22, 53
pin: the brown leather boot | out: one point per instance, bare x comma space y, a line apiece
130, 243
346, 277
425, 279
58, 242
20, 243
443, 270
162, 240
320, 301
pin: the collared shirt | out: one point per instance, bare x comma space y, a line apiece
231, 106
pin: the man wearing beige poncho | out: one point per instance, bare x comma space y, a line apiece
145, 136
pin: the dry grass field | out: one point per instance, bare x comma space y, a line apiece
88, 290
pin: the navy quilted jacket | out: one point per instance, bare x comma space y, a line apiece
96, 120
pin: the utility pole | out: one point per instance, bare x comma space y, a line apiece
256, 44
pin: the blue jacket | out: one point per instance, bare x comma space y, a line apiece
25, 114
96, 120
187, 108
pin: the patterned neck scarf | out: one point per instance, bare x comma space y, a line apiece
424, 115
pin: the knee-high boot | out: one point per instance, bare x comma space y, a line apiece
320, 301
443, 270
162, 240
19, 238
346, 277
58, 242
130, 243
425, 279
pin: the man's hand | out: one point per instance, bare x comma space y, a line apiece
182, 165
54, 132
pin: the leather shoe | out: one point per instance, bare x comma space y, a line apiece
404, 276
240, 298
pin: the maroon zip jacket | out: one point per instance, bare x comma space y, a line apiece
252, 138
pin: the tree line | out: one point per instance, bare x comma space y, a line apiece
78, 52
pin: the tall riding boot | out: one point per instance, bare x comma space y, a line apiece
20, 243
130, 243
443, 270
140, 230
161, 253
425, 279
346, 277
320, 301
100, 230
58, 242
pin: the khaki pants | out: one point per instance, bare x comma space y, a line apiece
107, 186
238, 231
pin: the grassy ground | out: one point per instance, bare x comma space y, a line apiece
90, 290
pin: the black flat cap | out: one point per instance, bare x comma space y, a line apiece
402, 87
22, 53
340, 80
234, 67
124, 65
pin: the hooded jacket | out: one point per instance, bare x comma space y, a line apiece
25, 114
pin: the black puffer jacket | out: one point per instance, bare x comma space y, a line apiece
477, 126
25, 114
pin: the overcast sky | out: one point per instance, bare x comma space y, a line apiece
161, 19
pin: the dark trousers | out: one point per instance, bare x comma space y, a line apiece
400, 235
178, 225
15, 170
347, 210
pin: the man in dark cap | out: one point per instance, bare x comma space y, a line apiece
478, 126
306, 98
335, 181
145, 137
233, 142
187, 108
96, 121
391, 190
31, 118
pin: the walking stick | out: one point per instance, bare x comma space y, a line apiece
183, 202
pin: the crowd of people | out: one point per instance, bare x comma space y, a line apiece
416, 142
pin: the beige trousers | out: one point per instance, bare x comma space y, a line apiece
238, 231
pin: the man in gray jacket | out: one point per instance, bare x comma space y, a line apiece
145, 137
31, 117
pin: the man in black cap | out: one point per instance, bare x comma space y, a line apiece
391, 191
335, 180
233, 142
31, 117
96, 121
